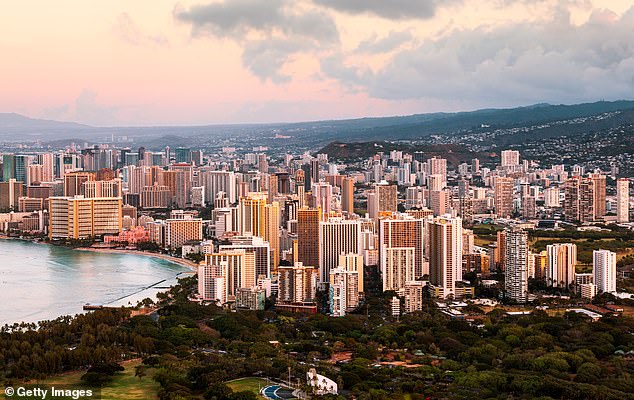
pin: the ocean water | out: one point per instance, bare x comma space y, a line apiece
39, 281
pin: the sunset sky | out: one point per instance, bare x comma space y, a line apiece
157, 62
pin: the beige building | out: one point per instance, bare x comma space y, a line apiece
111, 188
80, 218
156, 196
562, 258
503, 197
179, 231
238, 268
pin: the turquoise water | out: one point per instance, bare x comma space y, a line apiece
39, 281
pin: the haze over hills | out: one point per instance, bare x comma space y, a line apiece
15, 123
315, 134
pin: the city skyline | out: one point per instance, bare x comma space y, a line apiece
248, 61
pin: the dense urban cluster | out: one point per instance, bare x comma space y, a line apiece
301, 235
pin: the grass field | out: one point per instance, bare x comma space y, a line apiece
247, 384
124, 386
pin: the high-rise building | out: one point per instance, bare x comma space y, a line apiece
343, 291
540, 264
155, 196
22, 163
212, 283
551, 197
111, 188
46, 160
386, 197
622, 200
180, 231
414, 295
81, 218
503, 197
562, 259
256, 245
272, 231
183, 155
438, 166
322, 197
314, 170
297, 284
10, 191
300, 187
238, 266
74, 182
252, 218
509, 158
401, 248
353, 262
184, 179
219, 181
445, 254
336, 237
8, 167
347, 195
598, 191
308, 236
604, 270
579, 200
439, 201
516, 272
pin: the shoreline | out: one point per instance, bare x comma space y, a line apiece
180, 261
190, 267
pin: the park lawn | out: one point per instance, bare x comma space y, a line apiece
247, 384
124, 385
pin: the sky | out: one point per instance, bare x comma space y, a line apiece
160, 62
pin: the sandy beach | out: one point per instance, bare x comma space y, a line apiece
181, 261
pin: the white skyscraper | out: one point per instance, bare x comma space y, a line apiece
322, 197
219, 181
604, 269
516, 273
336, 237
622, 200
445, 254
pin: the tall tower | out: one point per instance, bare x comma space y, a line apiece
386, 198
516, 274
604, 270
347, 195
308, 236
598, 188
445, 254
503, 197
272, 231
401, 250
562, 258
509, 158
336, 237
252, 218
300, 187
322, 197
623, 200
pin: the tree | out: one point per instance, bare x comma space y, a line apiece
218, 391
139, 371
